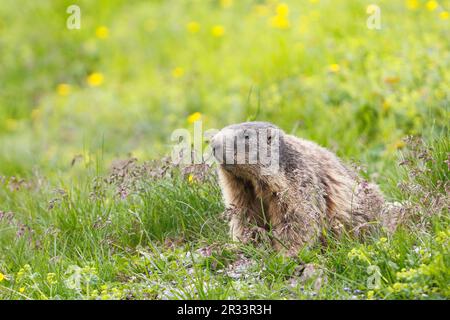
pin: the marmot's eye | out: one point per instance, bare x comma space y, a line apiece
246, 136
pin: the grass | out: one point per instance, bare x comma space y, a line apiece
76, 223
160, 235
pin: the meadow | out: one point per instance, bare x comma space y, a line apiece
92, 208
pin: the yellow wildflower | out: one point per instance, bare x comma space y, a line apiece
359, 254
51, 278
63, 89
190, 178
116, 292
177, 72
399, 286
194, 117
21, 289
432, 5
442, 237
218, 31
193, 27
335, 68
406, 274
282, 9
399, 144
94, 293
2, 277
444, 15
95, 79
370, 294
280, 22
102, 32
412, 4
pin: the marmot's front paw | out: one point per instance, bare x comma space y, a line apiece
228, 213
255, 235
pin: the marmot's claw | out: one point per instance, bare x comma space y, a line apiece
255, 234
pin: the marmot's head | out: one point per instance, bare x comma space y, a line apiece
249, 148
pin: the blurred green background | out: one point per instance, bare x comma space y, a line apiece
72, 102
137, 70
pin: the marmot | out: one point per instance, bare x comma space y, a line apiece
310, 193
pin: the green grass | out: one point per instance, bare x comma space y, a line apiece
167, 239
73, 228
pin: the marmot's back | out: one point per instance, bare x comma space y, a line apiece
318, 157
351, 202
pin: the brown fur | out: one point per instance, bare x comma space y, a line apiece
313, 193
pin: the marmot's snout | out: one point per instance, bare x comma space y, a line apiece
216, 146
224, 147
